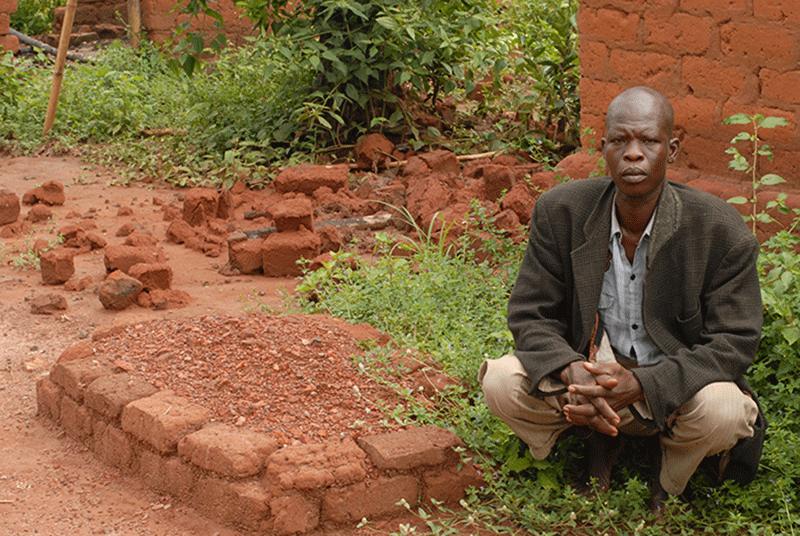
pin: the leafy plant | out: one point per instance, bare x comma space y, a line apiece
750, 165
358, 60
35, 17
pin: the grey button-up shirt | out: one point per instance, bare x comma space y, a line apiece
620, 306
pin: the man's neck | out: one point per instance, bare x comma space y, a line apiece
633, 214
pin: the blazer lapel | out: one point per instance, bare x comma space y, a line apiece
589, 263
668, 217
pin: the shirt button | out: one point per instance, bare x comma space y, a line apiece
633, 276
635, 326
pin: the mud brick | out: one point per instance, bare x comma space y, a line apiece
294, 514
48, 399
244, 504
75, 376
114, 446
8, 6
227, 451
414, 447
75, 419
107, 395
372, 499
166, 474
317, 465
162, 420
448, 486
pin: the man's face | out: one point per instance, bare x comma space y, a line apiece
637, 146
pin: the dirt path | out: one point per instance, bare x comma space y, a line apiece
50, 484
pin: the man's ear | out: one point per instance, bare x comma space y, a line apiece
674, 149
602, 143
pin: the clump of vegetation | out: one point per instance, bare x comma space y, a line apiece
35, 17
353, 67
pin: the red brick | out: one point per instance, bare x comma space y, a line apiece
692, 112
442, 161
48, 399
708, 154
114, 446
609, 25
281, 251
153, 276
759, 44
306, 178
57, 266
74, 376
373, 499
637, 66
166, 474
227, 451
244, 504
781, 86
414, 447
122, 257
450, 485
580, 165
5, 20
10, 43
75, 419
596, 96
107, 395
708, 79
291, 214
8, 6
294, 514
777, 10
317, 465
594, 58
681, 32
162, 420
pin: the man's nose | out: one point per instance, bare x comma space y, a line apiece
633, 151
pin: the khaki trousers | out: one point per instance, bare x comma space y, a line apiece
709, 423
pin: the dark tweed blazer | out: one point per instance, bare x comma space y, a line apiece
701, 303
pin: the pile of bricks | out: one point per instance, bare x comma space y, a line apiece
245, 478
7, 42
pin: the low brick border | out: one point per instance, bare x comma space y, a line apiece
243, 478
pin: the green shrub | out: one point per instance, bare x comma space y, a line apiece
35, 17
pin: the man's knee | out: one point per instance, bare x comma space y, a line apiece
501, 380
719, 410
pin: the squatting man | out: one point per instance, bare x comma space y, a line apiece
636, 312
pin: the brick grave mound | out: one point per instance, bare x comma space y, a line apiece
244, 468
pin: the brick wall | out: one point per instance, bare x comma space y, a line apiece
711, 58
7, 42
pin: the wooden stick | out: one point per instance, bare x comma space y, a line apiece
135, 20
61, 59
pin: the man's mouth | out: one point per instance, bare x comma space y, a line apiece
634, 175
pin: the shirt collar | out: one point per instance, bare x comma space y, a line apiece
615, 228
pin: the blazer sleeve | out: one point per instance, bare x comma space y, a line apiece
539, 309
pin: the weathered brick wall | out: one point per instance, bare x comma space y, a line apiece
7, 42
711, 58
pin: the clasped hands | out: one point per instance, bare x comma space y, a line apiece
597, 392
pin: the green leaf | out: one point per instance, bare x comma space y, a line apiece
792, 335
742, 136
772, 122
738, 200
737, 119
770, 179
